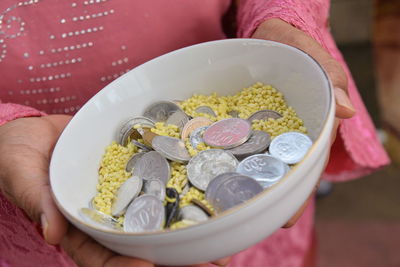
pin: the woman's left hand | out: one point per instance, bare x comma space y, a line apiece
279, 31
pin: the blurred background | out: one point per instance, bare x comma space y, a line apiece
358, 222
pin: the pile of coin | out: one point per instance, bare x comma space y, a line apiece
238, 164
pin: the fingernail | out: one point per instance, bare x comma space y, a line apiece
43, 221
343, 100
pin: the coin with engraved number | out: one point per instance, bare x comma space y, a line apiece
178, 118
125, 194
234, 191
171, 148
205, 110
227, 133
196, 137
207, 164
194, 124
192, 213
160, 111
290, 147
132, 161
145, 214
152, 166
99, 218
258, 142
264, 115
154, 187
266, 170
127, 130
216, 182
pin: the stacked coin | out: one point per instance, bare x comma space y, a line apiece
237, 164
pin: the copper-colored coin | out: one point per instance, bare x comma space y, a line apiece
193, 124
148, 135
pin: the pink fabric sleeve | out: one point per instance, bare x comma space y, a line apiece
9, 112
357, 150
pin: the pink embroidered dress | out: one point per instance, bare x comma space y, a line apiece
55, 55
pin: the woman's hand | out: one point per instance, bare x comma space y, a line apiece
282, 32
26, 145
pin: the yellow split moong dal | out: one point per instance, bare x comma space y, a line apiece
249, 100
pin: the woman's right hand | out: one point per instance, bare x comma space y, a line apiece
26, 145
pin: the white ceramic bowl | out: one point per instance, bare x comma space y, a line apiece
225, 67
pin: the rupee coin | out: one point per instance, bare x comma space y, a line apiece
154, 187
160, 111
145, 214
196, 137
99, 218
127, 130
205, 110
207, 164
258, 142
264, 115
132, 161
125, 194
152, 166
172, 148
192, 213
234, 191
290, 147
178, 118
227, 133
194, 124
215, 183
266, 170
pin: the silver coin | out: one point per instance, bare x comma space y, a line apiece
130, 165
227, 133
196, 137
266, 170
234, 191
205, 110
99, 218
216, 182
290, 147
154, 187
145, 214
264, 115
127, 129
258, 142
192, 213
152, 166
171, 148
125, 194
160, 111
178, 118
207, 164
144, 147
234, 113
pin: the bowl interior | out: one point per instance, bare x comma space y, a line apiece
224, 67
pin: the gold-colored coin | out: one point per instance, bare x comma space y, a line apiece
192, 125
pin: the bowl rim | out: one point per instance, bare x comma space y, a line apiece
228, 213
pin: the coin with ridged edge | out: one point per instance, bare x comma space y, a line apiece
290, 147
172, 148
127, 130
207, 164
125, 194
258, 142
235, 191
227, 133
160, 111
152, 166
145, 214
264, 114
266, 170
